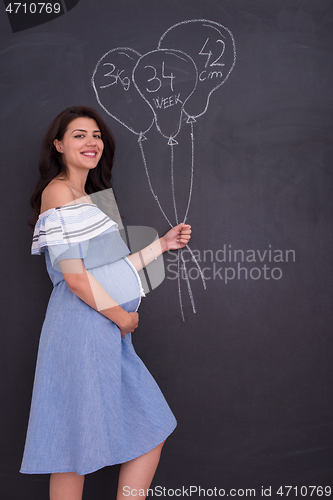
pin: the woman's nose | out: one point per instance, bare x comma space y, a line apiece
91, 140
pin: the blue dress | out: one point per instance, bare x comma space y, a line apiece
94, 402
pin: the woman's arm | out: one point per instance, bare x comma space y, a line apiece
177, 237
88, 289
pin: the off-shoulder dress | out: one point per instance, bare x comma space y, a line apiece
94, 402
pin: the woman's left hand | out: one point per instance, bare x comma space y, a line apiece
177, 237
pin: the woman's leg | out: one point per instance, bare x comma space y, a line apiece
66, 486
137, 474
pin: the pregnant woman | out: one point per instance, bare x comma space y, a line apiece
94, 402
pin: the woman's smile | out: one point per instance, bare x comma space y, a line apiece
89, 153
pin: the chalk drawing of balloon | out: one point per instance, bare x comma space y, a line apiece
212, 48
115, 92
166, 79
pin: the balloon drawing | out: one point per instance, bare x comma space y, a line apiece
212, 48
115, 92
166, 92
167, 87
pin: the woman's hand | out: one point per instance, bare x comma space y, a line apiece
130, 325
177, 237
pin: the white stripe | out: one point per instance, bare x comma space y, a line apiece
69, 224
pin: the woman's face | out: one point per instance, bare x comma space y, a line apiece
82, 145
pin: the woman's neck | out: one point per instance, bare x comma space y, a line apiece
76, 181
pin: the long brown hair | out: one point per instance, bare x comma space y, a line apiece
51, 163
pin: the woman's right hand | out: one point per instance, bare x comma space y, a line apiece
130, 324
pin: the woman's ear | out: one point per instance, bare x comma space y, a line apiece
57, 145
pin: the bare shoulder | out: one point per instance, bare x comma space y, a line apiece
56, 194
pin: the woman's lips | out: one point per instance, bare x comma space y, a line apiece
89, 154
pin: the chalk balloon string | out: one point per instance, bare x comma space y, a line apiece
181, 263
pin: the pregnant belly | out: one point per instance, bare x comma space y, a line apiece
121, 282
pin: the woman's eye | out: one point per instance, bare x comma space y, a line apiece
79, 136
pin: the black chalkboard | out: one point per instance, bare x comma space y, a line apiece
222, 116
